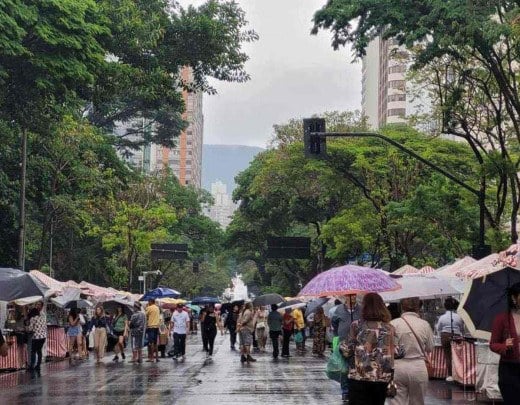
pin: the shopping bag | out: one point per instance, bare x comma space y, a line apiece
298, 337
337, 365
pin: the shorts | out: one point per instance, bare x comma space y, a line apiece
245, 337
119, 333
137, 340
74, 331
152, 334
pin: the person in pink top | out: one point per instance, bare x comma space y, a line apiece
505, 341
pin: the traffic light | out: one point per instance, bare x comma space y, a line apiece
315, 146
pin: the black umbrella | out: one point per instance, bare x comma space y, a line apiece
112, 305
228, 306
268, 299
315, 304
79, 304
291, 304
16, 284
204, 300
485, 299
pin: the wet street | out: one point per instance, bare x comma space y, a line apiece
197, 381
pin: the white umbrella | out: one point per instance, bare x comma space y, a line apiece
422, 286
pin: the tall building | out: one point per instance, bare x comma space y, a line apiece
387, 96
223, 208
185, 159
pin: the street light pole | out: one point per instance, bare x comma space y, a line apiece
315, 144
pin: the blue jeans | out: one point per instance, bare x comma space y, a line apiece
344, 384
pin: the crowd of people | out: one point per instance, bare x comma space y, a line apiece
385, 351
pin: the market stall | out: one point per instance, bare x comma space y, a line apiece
486, 383
464, 362
16, 357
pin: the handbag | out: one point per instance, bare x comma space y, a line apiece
391, 388
427, 361
298, 337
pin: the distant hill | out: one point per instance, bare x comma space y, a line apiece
224, 162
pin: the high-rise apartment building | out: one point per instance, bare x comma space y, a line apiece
185, 159
223, 208
387, 97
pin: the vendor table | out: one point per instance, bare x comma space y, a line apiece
464, 362
487, 373
16, 357
438, 363
56, 342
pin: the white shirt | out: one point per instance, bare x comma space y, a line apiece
179, 322
445, 323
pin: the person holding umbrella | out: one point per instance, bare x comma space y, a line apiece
505, 342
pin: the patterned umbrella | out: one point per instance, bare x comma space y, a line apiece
347, 280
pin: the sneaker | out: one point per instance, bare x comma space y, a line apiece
116, 358
449, 379
249, 358
123, 355
243, 359
183, 358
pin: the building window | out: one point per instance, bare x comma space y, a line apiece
189, 143
188, 162
189, 132
397, 112
397, 84
397, 69
190, 153
396, 97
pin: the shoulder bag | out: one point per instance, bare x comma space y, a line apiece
427, 361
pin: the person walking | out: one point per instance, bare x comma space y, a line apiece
84, 322
231, 325
416, 337
74, 333
153, 321
299, 327
342, 318
120, 330
37, 325
202, 316
505, 341
210, 324
287, 330
100, 323
274, 323
369, 350
137, 328
180, 326
450, 327
261, 328
246, 325
320, 325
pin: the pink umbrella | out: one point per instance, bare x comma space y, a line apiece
349, 279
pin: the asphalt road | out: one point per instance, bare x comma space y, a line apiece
197, 381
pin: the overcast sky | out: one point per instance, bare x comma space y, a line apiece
293, 74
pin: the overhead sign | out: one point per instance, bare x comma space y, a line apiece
288, 248
169, 251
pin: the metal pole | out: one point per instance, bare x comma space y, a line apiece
21, 235
483, 249
144, 282
50, 247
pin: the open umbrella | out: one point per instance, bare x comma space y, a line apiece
111, 305
291, 304
313, 305
267, 299
79, 304
160, 292
228, 306
204, 300
347, 280
16, 284
485, 298
420, 285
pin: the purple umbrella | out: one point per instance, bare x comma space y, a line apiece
348, 280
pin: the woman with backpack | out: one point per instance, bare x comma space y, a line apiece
137, 327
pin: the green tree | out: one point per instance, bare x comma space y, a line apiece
471, 51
